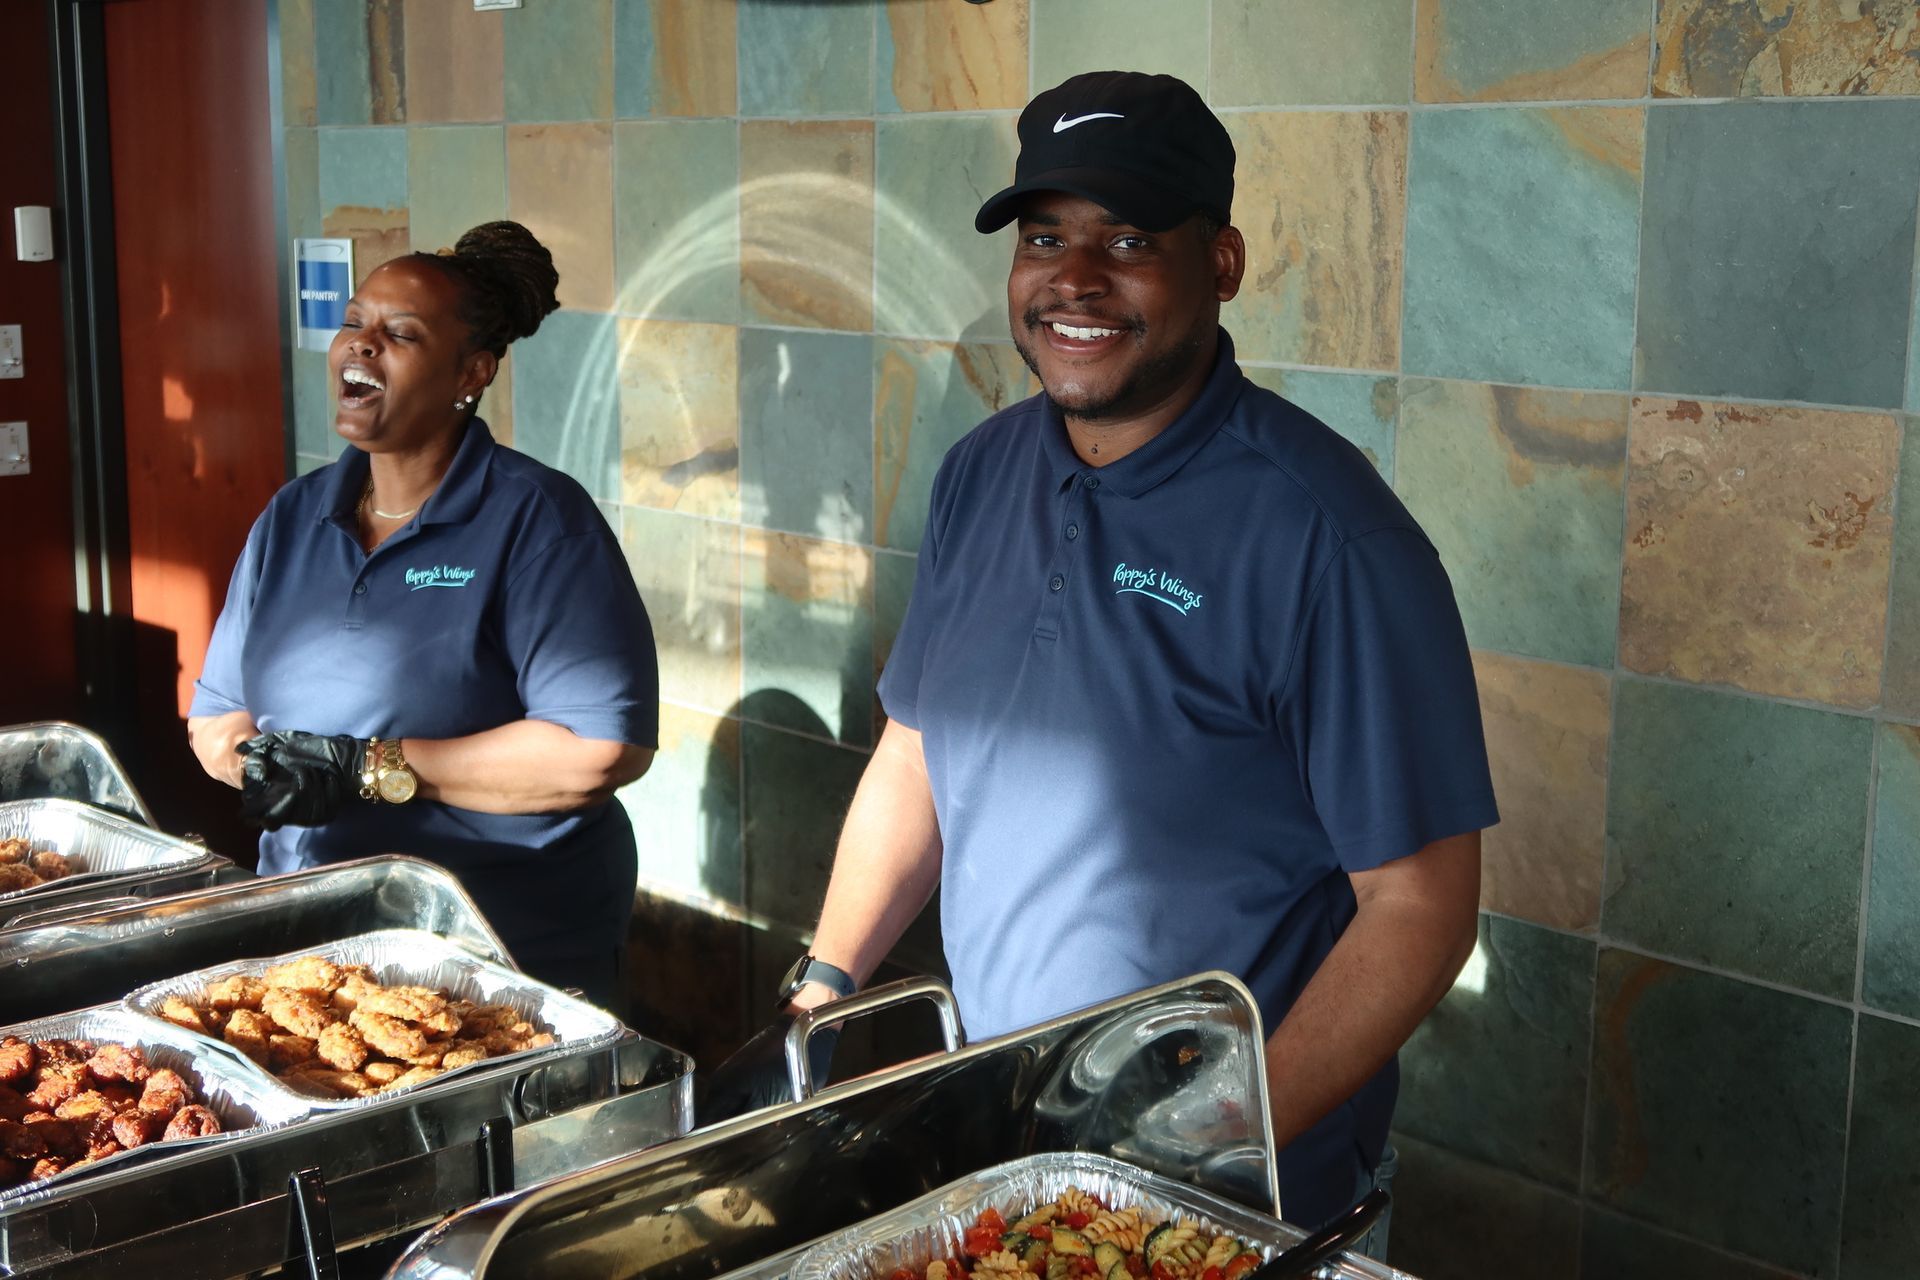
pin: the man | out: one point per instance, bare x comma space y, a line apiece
1182, 685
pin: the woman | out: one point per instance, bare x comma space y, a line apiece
433, 645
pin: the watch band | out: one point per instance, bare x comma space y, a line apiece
807, 969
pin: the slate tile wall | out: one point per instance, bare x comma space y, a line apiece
1619, 294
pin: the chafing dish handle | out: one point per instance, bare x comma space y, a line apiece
834, 1012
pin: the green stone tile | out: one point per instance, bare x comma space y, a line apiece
1882, 1234
559, 61
936, 276
313, 405
1900, 690
797, 793
1891, 978
926, 396
1531, 50
1756, 808
805, 58
302, 158
1747, 206
674, 58
1161, 36
363, 167
806, 617
1913, 341
1617, 1248
299, 87
942, 57
1363, 407
686, 810
1267, 54
1498, 1071
677, 243
1522, 227
1457, 1219
456, 179
806, 433
566, 404
1719, 1109
342, 66
1521, 492
688, 572
634, 49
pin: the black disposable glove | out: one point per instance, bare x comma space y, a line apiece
756, 1075
298, 779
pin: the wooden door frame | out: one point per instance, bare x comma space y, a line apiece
104, 630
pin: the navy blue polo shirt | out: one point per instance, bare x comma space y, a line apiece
1169, 703
506, 598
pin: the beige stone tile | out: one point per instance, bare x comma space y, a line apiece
386, 62
806, 222
299, 91
378, 235
954, 57
455, 64
688, 572
1758, 547
1322, 201
1491, 51
560, 184
1546, 729
680, 417
1817, 48
694, 59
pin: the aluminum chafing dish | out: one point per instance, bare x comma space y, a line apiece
119, 858
301, 1197
51, 758
1170, 1079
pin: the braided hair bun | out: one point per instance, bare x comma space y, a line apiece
509, 282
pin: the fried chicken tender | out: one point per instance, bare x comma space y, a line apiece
13, 1104
417, 1075
314, 975
464, 1053
166, 1091
16, 876
333, 1084
119, 1062
14, 849
21, 1142
87, 1107
50, 865
17, 1060
47, 1167
192, 1121
290, 1051
237, 992
58, 1081
62, 1138
383, 1073
297, 1011
388, 1035
356, 984
343, 1048
421, 1005
181, 1014
140, 1126
249, 1032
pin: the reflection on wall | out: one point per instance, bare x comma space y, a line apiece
1642, 360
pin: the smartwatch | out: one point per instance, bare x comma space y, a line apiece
807, 969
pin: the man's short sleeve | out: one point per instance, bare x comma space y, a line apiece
1381, 706
900, 682
222, 687
579, 639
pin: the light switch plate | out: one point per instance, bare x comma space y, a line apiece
481, 6
13, 449
33, 233
12, 361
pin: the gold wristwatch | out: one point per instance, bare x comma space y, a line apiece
386, 775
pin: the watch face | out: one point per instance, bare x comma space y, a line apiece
398, 785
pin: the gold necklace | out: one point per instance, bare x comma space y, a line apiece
384, 515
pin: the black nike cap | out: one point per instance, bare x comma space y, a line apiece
1145, 148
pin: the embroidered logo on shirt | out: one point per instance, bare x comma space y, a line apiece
1155, 584
439, 575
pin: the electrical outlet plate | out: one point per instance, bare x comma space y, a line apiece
13, 449
12, 362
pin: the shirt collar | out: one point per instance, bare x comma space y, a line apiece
457, 498
1167, 452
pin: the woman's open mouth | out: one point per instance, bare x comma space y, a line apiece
358, 388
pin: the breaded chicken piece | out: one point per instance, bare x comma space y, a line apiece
343, 1048
249, 1032
16, 876
140, 1126
356, 983
329, 1083
47, 1167
464, 1053
13, 1104
57, 1082
237, 992
181, 1014
193, 1121
383, 1073
121, 1097
166, 1091
121, 1063
21, 1142
388, 1035
50, 865
18, 1058
88, 1107
418, 1075
289, 1051
298, 1012
419, 1005
314, 975
62, 1138
14, 849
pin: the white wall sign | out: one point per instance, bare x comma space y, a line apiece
323, 281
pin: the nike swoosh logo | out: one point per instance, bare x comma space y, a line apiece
1063, 124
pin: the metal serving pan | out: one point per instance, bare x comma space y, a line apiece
114, 854
98, 956
233, 1095
934, 1225
414, 957
744, 1199
51, 758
